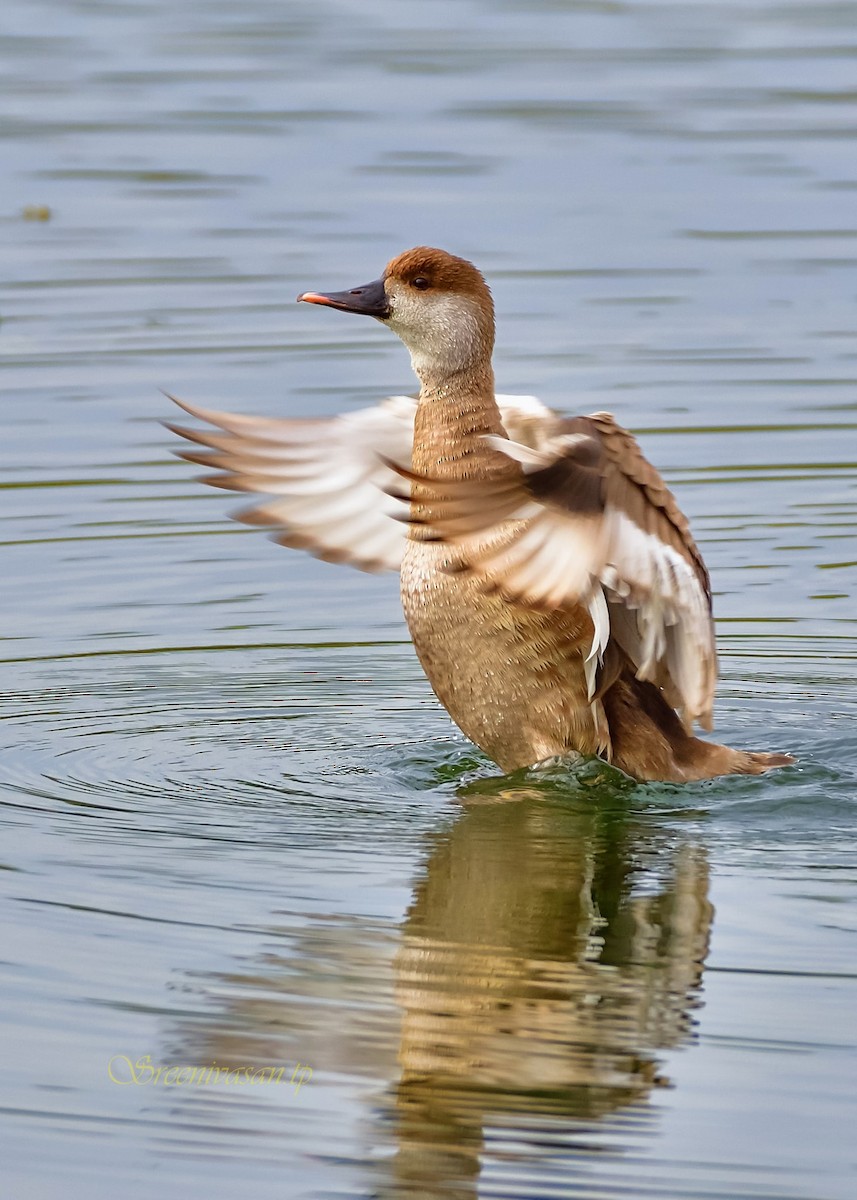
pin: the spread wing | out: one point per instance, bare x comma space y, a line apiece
328, 479
325, 477
590, 521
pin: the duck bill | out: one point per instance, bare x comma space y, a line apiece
370, 300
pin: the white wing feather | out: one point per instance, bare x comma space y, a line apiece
327, 478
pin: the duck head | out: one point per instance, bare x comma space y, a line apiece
439, 305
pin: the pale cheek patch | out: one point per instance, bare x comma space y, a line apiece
442, 333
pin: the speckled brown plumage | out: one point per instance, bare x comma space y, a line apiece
509, 676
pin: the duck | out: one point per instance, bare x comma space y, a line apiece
554, 593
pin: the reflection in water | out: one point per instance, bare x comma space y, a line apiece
553, 944
549, 950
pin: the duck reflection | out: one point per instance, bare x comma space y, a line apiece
554, 943
549, 951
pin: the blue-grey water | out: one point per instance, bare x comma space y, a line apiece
238, 831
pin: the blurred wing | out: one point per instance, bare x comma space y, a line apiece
527, 420
332, 490
593, 524
328, 479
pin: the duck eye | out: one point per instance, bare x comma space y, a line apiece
421, 282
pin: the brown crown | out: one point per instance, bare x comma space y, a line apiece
443, 271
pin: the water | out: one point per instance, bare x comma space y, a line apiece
237, 828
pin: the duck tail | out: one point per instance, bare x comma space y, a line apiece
752, 762
650, 742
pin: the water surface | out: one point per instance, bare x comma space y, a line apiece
238, 830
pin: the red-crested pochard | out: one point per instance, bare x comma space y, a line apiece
556, 598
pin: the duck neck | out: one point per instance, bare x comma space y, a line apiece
453, 413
